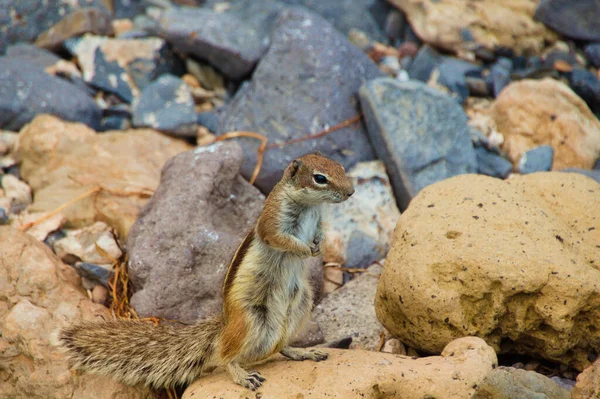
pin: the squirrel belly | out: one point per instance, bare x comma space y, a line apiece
266, 297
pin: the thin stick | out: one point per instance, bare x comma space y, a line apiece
260, 152
60, 208
339, 126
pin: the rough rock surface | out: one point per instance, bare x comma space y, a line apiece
514, 262
23, 21
417, 151
460, 26
26, 91
62, 160
40, 294
123, 66
588, 383
530, 113
305, 83
577, 20
349, 312
511, 383
232, 41
166, 105
364, 374
181, 245
359, 231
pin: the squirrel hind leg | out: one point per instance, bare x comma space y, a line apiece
304, 354
251, 380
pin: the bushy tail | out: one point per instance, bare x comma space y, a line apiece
137, 352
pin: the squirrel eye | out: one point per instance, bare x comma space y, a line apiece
320, 179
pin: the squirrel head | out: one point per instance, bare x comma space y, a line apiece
314, 179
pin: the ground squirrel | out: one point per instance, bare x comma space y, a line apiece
266, 297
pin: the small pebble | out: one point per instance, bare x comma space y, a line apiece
537, 160
99, 294
394, 346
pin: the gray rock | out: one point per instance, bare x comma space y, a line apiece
232, 41
511, 383
166, 105
26, 90
349, 312
305, 83
564, 383
23, 20
499, 75
575, 19
594, 174
98, 274
184, 239
128, 8
538, 159
592, 52
453, 74
30, 54
491, 164
420, 133
346, 15
123, 66
424, 64
587, 86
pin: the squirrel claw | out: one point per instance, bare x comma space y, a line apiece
253, 380
315, 250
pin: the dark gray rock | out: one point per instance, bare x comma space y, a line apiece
23, 20
491, 164
575, 19
30, 54
183, 240
420, 133
551, 58
95, 273
109, 64
395, 24
231, 41
128, 8
537, 160
499, 76
511, 383
305, 83
362, 250
594, 174
166, 105
587, 86
424, 64
3, 216
26, 91
209, 120
346, 15
592, 52
53, 237
453, 73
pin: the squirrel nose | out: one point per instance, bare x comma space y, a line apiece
349, 194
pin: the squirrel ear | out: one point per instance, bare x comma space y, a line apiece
294, 166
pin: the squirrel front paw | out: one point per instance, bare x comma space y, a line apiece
315, 249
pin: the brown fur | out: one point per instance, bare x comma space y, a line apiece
266, 297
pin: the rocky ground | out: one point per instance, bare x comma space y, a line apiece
467, 264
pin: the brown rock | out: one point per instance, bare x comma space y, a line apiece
513, 262
84, 20
62, 160
463, 25
17, 191
588, 383
39, 295
530, 113
362, 374
349, 312
189, 232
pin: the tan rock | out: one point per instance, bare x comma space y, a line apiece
39, 295
588, 383
514, 262
44, 224
333, 278
83, 243
362, 374
394, 346
359, 231
511, 383
62, 160
491, 23
17, 191
529, 113
349, 312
